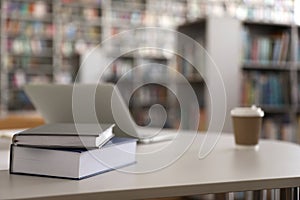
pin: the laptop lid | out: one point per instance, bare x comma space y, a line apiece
54, 102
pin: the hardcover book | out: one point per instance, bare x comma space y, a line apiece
66, 135
72, 163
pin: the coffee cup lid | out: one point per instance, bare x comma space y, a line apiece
252, 111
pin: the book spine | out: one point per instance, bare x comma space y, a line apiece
11, 159
266, 49
264, 89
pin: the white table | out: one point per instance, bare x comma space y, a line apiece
275, 165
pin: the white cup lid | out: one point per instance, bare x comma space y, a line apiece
252, 111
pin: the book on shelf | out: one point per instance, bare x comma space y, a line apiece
66, 135
266, 49
285, 39
72, 163
264, 89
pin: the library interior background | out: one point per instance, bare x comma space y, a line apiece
254, 44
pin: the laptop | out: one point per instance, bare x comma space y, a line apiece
88, 103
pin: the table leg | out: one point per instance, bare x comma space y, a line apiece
260, 194
224, 196
271, 194
248, 195
220, 196
296, 193
286, 193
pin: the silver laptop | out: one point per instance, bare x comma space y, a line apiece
87, 103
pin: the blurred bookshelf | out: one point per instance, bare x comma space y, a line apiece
270, 77
43, 41
26, 49
190, 64
202, 65
270, 60
141, 65
79, 28
273, 11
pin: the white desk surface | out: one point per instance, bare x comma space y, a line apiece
275, 165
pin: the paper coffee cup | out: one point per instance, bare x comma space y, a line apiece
247, 122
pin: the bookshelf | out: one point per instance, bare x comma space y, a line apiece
214, 63
262, 19
188, 62
79, 27
264, 11
58, 33
3, 78
140, 61
270, 76
264, 23
42, 42
267, 70
26, 49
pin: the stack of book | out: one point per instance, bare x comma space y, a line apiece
70, 151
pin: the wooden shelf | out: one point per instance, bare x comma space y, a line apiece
82, 21
81, 5
39, 55
21, 120
22, 36
250, 65
266, 24
46, 19
277, 109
